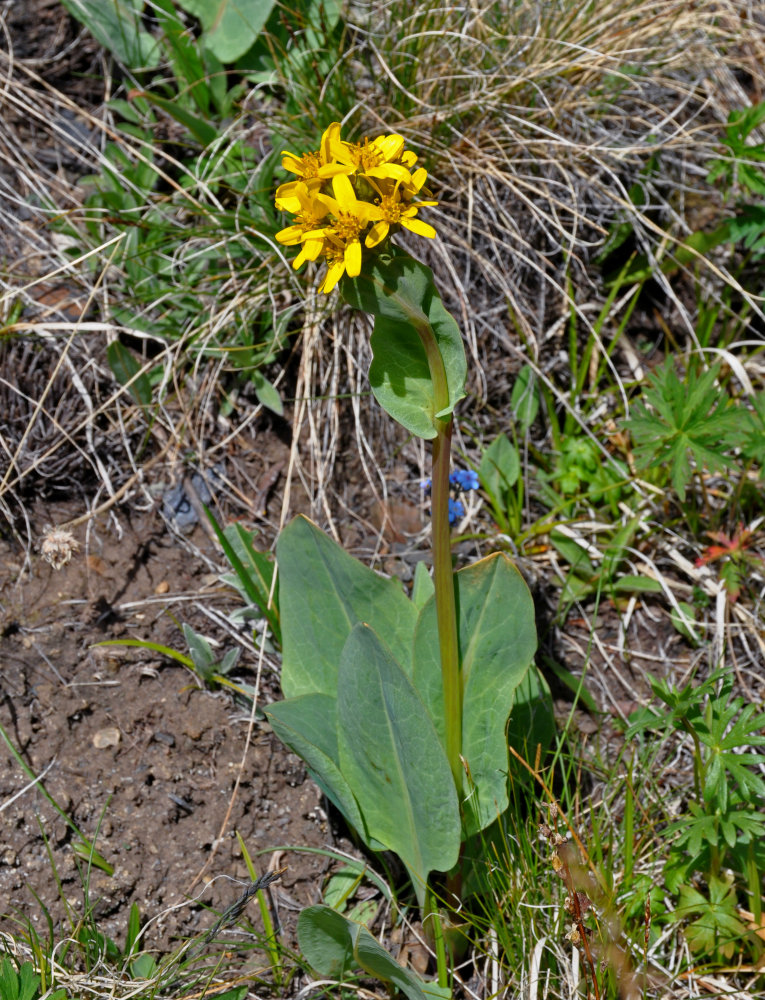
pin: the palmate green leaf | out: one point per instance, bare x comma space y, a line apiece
694, 830
230, 26
739, 825
753, 432
401, 294
690, 420
730, 728
323, 594
714, 927
742, 826
393, 760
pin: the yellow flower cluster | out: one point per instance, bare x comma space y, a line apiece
346, 191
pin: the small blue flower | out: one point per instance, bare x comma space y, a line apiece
426, 485
464, 479
456, 510
470, 480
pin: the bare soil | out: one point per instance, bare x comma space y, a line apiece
135, 752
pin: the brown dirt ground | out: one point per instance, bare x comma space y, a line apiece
156, 794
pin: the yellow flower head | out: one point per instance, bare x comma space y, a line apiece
318, 165
348, 192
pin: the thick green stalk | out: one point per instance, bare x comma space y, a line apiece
443, 577
446, 611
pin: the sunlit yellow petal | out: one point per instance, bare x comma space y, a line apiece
419, 177
390, 146
333, 169
334, 273
418, 227
309, 251
290, 235
292, 163
344, 193
353, 258
394, 171
329, 141
312, 249
377, 234
289, 204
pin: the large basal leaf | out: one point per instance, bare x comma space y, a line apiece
117, 25
497, 644
333, 945
400, 293
308, 726
393, 759
230, 26
532, 722
323, 593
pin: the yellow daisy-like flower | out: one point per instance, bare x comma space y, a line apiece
397, 209
378, 157
352, 217
309, 214
320, 164
350, 195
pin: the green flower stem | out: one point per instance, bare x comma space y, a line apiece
446, 611
443, 577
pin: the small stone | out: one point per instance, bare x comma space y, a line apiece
108, 737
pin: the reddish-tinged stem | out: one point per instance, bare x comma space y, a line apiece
443, 577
